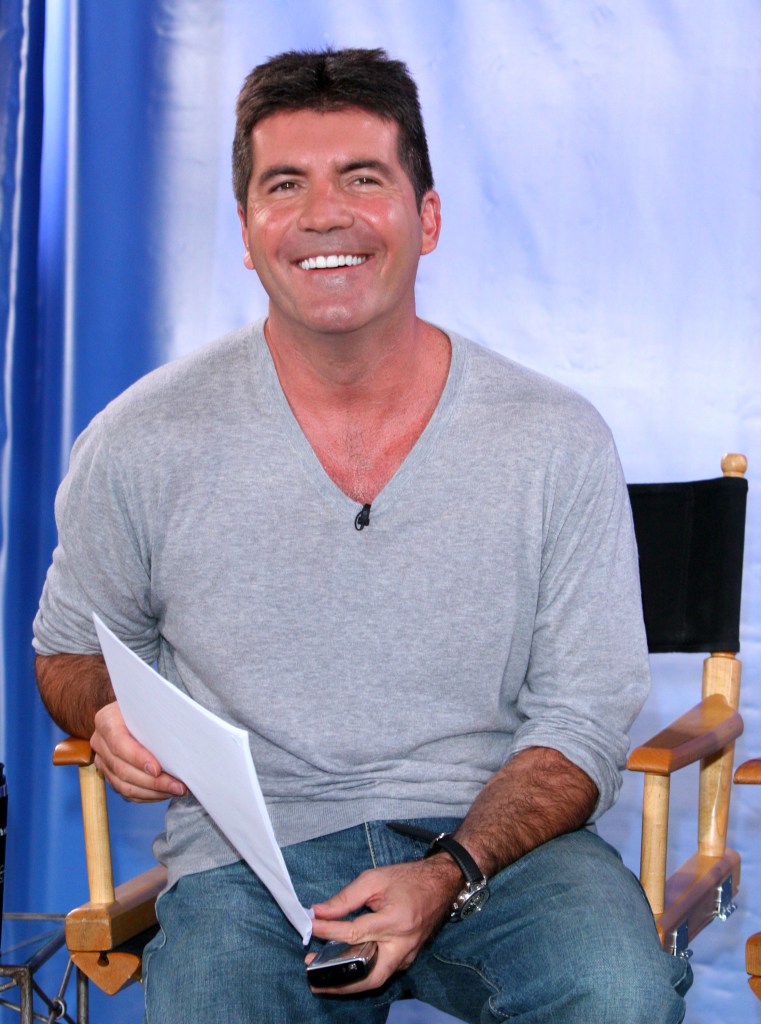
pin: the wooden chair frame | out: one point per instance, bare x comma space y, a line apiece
704, 886
105, 937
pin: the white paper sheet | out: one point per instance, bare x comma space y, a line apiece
211, 757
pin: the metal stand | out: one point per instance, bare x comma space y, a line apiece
30, 940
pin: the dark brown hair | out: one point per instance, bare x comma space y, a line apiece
331, 80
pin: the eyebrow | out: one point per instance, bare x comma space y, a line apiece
290, 171
366, 165
283, 170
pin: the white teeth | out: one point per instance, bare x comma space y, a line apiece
328, 262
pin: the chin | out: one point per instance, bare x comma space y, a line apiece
336, 322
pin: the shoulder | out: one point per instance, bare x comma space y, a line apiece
189, 393
516, 399
184, 407
200, 377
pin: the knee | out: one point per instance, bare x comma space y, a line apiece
611, 989
623, 990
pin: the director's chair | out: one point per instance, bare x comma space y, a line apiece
676, 525
690, 538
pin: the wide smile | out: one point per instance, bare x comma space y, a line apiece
331, 261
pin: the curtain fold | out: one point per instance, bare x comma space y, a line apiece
21, 111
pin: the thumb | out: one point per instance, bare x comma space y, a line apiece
352, 897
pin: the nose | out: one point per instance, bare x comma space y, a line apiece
325, 208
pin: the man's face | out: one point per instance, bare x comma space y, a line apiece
331, 225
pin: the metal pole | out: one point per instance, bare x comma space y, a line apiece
83, 998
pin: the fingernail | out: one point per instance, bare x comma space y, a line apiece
150, 769
177, 788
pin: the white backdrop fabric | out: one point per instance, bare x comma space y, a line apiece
598, 165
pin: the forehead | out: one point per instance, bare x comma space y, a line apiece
301, 137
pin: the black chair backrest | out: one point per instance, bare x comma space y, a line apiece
691, 538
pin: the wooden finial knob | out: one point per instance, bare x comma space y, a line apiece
73, 751
734, 465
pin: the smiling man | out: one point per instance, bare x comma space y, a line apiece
406, 566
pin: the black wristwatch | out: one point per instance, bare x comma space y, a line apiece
476, 892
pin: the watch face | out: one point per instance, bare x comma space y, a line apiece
474, 902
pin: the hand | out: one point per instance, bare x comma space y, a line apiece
131, 769
406, 904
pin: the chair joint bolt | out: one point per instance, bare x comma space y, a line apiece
678, 940
724, 905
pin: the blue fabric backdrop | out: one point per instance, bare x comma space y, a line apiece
598, 166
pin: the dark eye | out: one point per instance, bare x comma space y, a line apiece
284, 186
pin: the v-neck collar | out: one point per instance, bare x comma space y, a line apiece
311, 465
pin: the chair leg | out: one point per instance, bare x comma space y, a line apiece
97, 839
655, 827
721, 675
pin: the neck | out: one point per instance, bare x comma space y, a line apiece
362, 403
370, 370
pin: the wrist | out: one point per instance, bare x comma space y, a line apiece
448, 870
445, 880
475, 892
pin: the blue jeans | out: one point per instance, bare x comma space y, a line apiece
566, 936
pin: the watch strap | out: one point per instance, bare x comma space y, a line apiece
442, 841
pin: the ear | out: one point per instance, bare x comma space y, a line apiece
248, 262
430, 220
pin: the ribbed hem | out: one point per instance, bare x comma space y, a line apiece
296, 823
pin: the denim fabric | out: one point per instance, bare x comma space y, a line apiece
566, 936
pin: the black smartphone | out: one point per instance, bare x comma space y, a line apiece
338, 963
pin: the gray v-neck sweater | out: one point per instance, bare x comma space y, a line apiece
491, 604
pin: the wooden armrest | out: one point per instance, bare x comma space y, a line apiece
73, 751
749, 773
102, 926
704, 730
690, 895
106, 941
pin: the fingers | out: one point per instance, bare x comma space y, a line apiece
394, 922
405, 904
131, 769
353, 897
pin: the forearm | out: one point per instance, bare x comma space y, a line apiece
73, 687
537, 796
